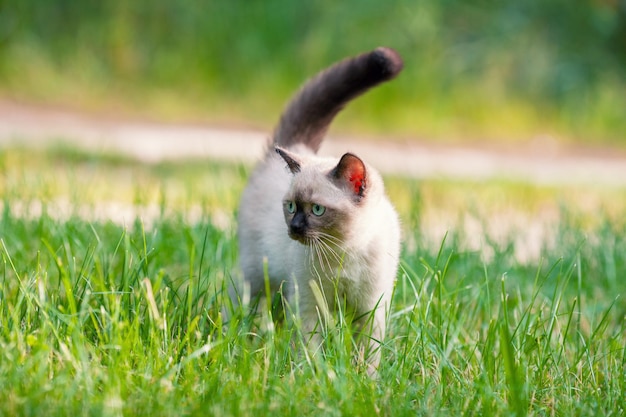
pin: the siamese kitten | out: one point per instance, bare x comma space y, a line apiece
322, 229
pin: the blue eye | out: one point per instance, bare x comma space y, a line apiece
318, 210
291, 206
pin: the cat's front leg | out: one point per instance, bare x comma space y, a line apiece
372, 358
309, 316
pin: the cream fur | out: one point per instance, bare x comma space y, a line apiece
365, 275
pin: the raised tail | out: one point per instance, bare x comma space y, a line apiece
309, 114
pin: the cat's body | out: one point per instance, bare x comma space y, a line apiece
310, 223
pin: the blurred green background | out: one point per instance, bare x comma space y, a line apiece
483, 70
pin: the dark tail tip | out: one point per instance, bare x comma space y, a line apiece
386, 62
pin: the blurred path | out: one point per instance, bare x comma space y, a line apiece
153, 142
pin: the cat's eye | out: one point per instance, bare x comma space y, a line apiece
291, 207
318, 210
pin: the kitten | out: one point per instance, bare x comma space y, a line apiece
322, 228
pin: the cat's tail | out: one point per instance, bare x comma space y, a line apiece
310, 112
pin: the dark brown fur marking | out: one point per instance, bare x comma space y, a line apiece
311, 111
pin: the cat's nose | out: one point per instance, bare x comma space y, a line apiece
298, 224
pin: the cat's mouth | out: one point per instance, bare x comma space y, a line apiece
300, 237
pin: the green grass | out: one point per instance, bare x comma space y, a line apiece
123, 318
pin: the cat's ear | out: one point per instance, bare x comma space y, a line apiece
351, 171
292, 161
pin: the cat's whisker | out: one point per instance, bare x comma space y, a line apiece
334, 246
331, 238
330, 251
313, 253
335, 242
313, 256
323, 256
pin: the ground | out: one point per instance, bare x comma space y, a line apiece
541, 161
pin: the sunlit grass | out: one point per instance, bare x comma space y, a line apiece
109, 318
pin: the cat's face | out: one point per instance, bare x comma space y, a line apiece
315, 211
323, 198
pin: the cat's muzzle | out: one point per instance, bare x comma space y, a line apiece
299, 235
298, 228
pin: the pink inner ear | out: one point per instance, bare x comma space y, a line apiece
356, 177
351, 170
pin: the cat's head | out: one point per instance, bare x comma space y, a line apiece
324, 196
